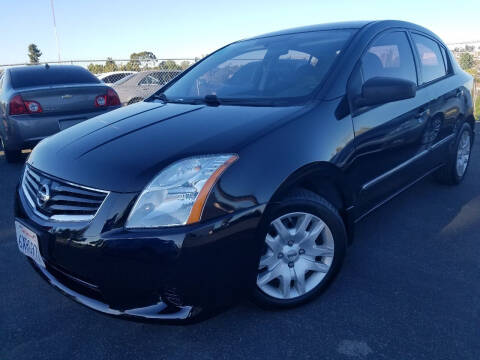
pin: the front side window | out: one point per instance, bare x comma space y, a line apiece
277, 67
390, 56
431, 58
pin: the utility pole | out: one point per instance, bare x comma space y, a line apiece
55, 29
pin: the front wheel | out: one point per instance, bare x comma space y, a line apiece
304, 246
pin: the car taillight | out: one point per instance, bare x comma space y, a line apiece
18, 106
33, 107
101, 100
112, 98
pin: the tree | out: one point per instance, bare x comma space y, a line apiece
34, 54
96, 68
184, 65
110, 65
466, 61
136, 60
143, 56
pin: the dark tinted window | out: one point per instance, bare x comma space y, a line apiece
110, 79
390, 56
125, 79
431, 58
284, 66
39, 75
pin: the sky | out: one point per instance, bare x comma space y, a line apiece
92, 29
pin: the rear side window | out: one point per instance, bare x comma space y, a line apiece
110, 79
431, 58
390, 56
37, 75
125, 79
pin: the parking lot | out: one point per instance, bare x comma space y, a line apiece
409, 289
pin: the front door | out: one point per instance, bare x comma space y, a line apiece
390, 146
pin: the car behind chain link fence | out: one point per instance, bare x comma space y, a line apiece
137, 79
133, 79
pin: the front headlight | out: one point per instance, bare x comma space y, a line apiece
178, 194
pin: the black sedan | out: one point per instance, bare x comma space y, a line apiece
38, 101
247, 173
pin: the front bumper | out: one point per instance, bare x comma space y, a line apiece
170, 274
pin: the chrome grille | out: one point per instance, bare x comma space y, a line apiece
57, 200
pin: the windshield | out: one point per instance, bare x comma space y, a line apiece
125, 79
277, 67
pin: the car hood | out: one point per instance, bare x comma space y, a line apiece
124, 149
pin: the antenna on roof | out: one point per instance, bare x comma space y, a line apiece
47, 66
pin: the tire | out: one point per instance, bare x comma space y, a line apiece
13, 156
318, 254
450, 173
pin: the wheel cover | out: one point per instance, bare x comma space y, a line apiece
463, 153
299, 253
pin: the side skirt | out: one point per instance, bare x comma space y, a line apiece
361, 217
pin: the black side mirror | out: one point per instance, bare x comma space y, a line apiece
381, 90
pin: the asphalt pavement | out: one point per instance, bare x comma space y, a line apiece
409, 289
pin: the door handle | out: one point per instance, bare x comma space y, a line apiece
422, 112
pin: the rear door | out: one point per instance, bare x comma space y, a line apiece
446, 97
390, 148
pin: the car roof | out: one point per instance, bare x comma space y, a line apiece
115, 72
29, 69
378, 24
318, 27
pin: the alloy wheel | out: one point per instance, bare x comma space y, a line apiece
299, 253
463, 153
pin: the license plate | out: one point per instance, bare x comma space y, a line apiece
27, 242
65, 124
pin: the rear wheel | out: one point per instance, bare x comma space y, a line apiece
458, 158
11, 156
304, 246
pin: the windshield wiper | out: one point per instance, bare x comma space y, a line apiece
160, 96
211, 100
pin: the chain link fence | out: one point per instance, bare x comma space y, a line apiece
133, 79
